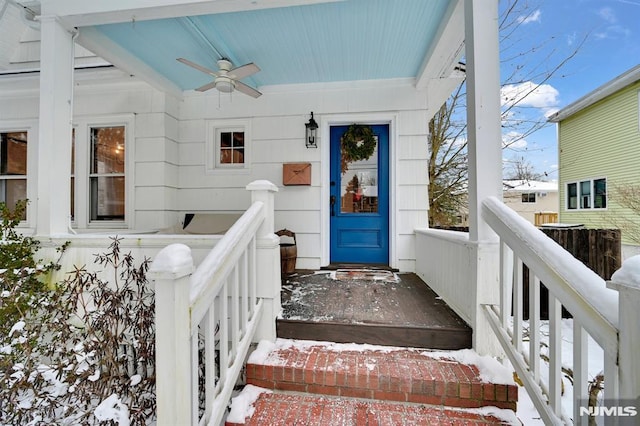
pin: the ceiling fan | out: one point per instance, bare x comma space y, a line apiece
227, 79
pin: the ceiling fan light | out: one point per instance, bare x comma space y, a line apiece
225, 85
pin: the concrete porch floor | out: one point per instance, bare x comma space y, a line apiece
368, 306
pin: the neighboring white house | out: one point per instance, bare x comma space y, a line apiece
531, 197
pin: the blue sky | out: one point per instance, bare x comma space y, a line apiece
609, 31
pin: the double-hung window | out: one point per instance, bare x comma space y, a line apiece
99, 176
13, 167
587, 194
107, 173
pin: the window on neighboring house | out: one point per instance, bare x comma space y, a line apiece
107, 173
228, 146
13, 168
529, 197
600, 194
572, 196
587, 194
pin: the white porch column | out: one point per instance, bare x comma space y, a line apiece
267, 261
485, 158
54, 144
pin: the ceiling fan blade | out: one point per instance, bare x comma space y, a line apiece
198, 67
206, 87
247, 90
244, 71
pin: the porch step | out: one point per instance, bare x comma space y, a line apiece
312, 410
348, 384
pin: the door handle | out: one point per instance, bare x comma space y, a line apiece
333, 203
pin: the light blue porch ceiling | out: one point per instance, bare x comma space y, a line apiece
326, 42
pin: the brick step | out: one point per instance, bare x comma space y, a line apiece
376, 372
309, 410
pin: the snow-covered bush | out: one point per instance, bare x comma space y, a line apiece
81, 351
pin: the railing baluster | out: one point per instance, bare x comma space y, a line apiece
252, 276
534, 325
517, 303
195, 384
555, 354
580, 371
506, 283
244, 291
223, 301
611, 384
209, 330
235, 313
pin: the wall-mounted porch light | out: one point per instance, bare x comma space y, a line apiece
312, 129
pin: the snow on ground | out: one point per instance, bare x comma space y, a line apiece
242, 406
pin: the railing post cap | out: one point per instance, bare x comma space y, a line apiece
628, 276
262, 185
174, 260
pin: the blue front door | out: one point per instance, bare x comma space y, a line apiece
360, 201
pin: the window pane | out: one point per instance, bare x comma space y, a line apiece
359, 184
107, 198
13, 153
73, 196
107, 150
225, 140
238, 139
12, 191
585, 194
572, 196
600, 194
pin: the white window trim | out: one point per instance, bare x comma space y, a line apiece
31, 127
591, 195
213, 128
82, 126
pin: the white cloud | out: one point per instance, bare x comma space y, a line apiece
532, 17
608, 15
613, 32
514, 140
530, 94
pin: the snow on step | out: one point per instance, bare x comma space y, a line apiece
260, 407
453, 378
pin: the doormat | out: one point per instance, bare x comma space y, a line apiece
365, 275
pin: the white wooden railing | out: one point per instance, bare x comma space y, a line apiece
206, 317
595, 309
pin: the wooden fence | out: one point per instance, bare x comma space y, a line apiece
598, 249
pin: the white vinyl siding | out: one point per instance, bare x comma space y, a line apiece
602, 140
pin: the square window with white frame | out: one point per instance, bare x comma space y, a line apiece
228, 146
